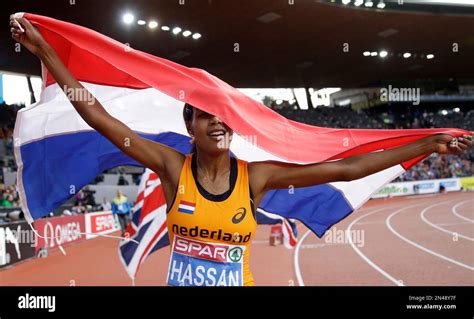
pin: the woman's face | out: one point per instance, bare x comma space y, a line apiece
210, 133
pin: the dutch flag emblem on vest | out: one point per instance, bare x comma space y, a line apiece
186, 207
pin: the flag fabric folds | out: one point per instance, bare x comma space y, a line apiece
58, 153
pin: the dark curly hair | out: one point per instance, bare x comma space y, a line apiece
188, 117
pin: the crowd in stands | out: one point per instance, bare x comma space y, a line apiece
8, 195
7, 123
436, 166
339, 117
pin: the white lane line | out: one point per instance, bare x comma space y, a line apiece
260, 242
317, 246
454, 224
296, 263
429, 251
370, 223
452, 233
397, 282
455, 212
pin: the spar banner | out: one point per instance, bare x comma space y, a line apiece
58, 231
17, 242
100, 223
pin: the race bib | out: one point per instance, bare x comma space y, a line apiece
198, 263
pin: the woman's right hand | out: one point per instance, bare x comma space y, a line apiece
30, 38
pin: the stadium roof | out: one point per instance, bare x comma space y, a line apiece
308, 43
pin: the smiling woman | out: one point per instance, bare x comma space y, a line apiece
211, 195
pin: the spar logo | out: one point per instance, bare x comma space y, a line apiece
208, 251
102, 223
235, 254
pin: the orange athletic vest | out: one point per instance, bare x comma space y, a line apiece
210, 235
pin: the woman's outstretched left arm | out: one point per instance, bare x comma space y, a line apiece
274, 175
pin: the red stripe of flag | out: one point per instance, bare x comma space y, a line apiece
187, 203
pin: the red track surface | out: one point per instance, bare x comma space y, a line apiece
427, 255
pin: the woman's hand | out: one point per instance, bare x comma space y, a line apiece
446, 144
30, 38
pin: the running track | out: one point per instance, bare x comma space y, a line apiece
422, 240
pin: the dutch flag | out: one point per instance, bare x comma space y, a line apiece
186, 207
56, 150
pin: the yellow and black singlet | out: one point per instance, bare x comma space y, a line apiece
209, 234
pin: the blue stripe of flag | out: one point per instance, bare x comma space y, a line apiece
187, 211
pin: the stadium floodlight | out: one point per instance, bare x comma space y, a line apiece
369, 3
196, 36
456, 109
406, 55
141, 22
176, 30
346, 2
165, 28
381, 4
128, 18
383, 54
358, 2
430, 56
444, 112
152, 24
366, 53
374, 53
187, 33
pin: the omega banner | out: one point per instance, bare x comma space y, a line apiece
58, 231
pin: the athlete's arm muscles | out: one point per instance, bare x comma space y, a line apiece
274, 175
158, 157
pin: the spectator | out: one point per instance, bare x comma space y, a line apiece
106, 205
122, 208
89, 196
79, 208
7, 202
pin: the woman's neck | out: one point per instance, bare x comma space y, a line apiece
213, 165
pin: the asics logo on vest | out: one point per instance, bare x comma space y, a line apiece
237, 218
